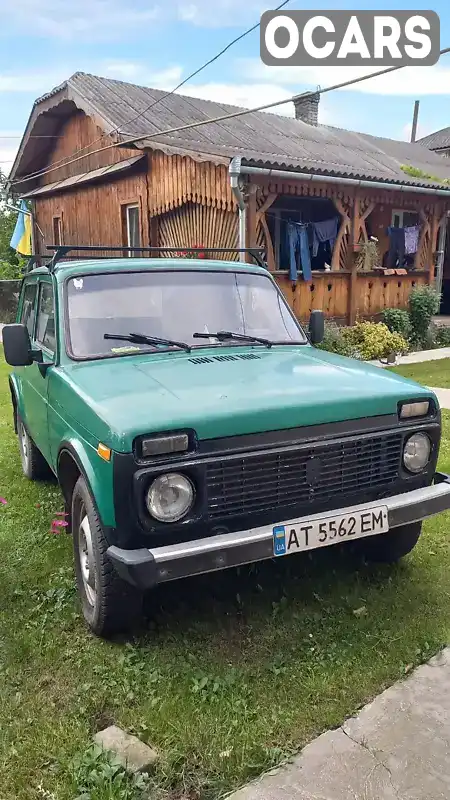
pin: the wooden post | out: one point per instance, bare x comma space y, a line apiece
154, 233
356, 222
341, 242
261, 218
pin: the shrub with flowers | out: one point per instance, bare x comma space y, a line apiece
198, 251
373, 340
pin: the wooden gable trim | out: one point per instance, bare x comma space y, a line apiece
175, 180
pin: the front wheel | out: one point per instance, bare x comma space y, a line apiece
109, 604
391, 546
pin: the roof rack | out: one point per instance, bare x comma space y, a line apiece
61, 251
35, 260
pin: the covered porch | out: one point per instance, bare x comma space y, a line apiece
348, 280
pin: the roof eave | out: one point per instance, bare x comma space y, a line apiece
63, 93
239, 165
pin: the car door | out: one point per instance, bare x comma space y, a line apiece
27, 316
35, 385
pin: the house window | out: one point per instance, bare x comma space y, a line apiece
132, 228
57, 231
404, 219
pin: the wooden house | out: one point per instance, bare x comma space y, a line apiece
104, 162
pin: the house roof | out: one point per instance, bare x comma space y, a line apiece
85, 177
437, 140
261, 139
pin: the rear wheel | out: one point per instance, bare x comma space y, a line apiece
109, 604
391, 546
34, 465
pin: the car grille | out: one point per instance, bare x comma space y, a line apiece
270, 480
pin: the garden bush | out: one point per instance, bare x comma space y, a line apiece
398, 321
334, 341
365, 341
374, 340
442, 337
424, 302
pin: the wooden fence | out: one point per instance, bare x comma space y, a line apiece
332, 292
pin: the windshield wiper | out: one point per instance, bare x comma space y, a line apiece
224, 336
142, 338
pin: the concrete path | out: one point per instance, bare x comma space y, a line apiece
1, 328
418, 358
425, 355
443, 395
397, 748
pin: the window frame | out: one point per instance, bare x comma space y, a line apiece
57, 226
400, 213
127, 227
42, 346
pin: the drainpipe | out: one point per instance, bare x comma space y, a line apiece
236, 169
237, 184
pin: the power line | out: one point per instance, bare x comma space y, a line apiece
241, 36
200, 69
224, 117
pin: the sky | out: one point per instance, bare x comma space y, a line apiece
159, 42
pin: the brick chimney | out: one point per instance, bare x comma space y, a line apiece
307, 108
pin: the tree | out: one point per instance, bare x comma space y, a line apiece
10, 261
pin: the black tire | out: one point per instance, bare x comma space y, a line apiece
34, 465
109, 604
390, 547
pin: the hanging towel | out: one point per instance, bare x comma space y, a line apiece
325, 231
411, 239
396, 247
299, 245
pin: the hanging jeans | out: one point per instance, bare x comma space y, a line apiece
396, 247
299, 245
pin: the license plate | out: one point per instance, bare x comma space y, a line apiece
310, 534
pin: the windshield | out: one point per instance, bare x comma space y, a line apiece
173, 305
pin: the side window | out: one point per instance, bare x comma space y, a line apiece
28, 313
45, 329
131, 227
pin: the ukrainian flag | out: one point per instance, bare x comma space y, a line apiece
21, 238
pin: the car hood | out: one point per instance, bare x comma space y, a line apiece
232, 391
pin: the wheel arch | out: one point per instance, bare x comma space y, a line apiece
14, 392
73, 461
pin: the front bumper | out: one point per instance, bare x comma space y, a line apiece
146, 568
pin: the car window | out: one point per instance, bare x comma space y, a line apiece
45, 328
174, 306
28, 313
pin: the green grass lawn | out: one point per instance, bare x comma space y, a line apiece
429, 373
231, 674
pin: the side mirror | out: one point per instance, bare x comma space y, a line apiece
316, 327
17, 345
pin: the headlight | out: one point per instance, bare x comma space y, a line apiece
170, 497
416, 454
418, 409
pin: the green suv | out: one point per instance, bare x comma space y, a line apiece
193, 426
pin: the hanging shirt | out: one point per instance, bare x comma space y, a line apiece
412, 234
325, 231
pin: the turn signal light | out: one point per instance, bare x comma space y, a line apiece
104, 452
